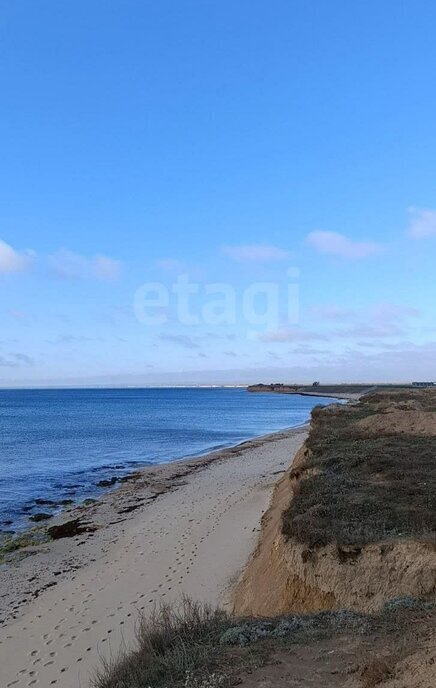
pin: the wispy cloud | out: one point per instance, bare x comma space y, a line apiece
382, 320
15, 360
328, 311
307, 350
374, 330
422, 223
393, 311
255, 253
73, 266
73, 339
12, 260
336, 244
274, 356
180, 339
17, 314
289, 335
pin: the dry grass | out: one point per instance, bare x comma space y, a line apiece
174, 646
379, 670
194, 646
364, 489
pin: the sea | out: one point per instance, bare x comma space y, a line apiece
59, 444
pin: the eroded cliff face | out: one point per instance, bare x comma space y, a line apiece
269, 586
286, 575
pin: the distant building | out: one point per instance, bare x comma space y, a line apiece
423, 384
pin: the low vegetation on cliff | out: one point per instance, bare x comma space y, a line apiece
356, 486
195, 646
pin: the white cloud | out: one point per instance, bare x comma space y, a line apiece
255, 253
422, 223
12, 260
336, 244
69, 265
288, 335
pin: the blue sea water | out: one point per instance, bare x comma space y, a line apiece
57, 444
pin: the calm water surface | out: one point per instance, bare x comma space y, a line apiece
57, 444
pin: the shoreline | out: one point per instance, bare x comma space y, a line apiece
340, 397
337, 396
167, 470
129, 476
48, 509
172, 529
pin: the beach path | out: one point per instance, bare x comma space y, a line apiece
193, 540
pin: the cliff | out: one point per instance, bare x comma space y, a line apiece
353, 521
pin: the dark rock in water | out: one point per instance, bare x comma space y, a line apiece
107, 483
131, 477
7, 523
44, 502
70, 529
41, 516
26, 509
66, 502
89, 501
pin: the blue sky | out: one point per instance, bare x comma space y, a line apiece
232, 143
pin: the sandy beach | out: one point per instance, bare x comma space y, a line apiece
185, 528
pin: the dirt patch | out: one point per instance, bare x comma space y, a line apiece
397, 652
412, 422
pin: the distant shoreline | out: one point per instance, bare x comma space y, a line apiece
348, 392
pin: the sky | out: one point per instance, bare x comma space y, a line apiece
201, 191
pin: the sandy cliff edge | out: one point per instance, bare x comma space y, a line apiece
288, 576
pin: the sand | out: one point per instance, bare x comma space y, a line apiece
185, 528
